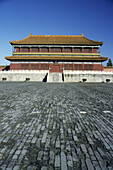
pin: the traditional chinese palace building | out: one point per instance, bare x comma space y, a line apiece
56, 53
53, 54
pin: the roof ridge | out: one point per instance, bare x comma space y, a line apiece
61, 39
30, 35
55, 35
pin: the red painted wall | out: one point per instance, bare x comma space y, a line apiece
52, 50
15, 66
94, 50
108, 69
17, 49
98, 67
55, 67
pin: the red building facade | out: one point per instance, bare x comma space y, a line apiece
56, 53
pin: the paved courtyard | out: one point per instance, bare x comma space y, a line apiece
65, 126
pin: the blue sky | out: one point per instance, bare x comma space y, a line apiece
19, 18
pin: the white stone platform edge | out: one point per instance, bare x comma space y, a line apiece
69, 76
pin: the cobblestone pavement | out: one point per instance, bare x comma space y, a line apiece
67, 126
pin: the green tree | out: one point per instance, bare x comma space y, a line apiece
109, 63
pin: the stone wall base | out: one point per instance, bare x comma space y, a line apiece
88, 76
22, 75
66, 76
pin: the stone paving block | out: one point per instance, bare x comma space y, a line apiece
69, 161
57, 143
74, 157
51, 157
63, 161
44, 168
75, 138
83, 147
57, 161
34, 140
15, 157
83, 165
18, 152
44, 137
45, 157
110, 168
3, 167
103, 165
30, 167
89, 164
16, 167
40, 155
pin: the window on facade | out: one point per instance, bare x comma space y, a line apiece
44, 49
85, 67
44, 66
55, 49
34, 49
37, 66
25, 49
90, 67
25, 66
87, 50
80, 66
67, 49
34, 66
65, 66
76, 67
68, 66
95, 50
17, 49
77, 50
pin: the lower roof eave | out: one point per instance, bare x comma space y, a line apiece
54, 58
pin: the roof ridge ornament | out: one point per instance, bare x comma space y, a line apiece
30, 34
82, 34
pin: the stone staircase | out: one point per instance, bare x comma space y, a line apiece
55, 77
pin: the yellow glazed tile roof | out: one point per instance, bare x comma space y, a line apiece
56, 39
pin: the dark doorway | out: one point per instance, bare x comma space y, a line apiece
107, 80
27, 79
63, 77
45, 78
84, 80
4, 79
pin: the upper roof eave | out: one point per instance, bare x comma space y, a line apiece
56, 39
